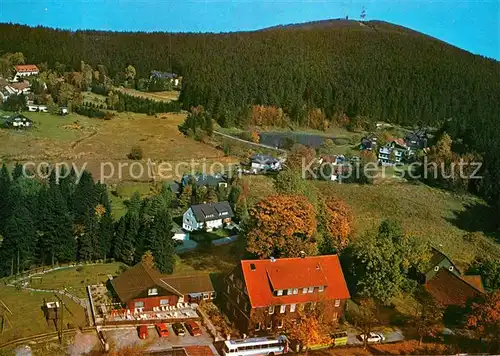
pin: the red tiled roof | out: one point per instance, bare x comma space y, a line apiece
449, 289
400, 142
284, 273
475, 281
26, 68
20, 85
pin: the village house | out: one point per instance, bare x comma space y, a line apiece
444, 281
369, 142
260, 295
141, 288
18, 121
37, 108
25, 70
417, 140
261, 162
207, 216
200, 180
174, 78
393, 152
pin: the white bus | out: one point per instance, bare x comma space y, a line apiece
267, 346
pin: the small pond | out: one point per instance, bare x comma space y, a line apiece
276, 139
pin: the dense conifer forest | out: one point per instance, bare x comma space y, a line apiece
373, 70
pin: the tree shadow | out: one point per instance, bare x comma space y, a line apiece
476, 216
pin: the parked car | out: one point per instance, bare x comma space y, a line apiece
179, 329
162, 329
373, 337
193, 327
142, 330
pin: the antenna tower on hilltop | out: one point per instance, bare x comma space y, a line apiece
363, 14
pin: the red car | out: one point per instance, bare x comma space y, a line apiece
162, 329
143, 331
193, 328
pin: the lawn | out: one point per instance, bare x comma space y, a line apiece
257, 188
120, 193
216, 260
441, 217
27, 317
76, 279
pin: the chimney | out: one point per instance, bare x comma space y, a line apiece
302, 254
273, 259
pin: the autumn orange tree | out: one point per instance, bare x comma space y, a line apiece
282, 226
300, 156
485, 316
308, 331
337, 220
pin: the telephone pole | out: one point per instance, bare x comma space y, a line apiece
60, 329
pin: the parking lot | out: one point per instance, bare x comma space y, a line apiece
129, 336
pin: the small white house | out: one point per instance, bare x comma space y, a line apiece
19, 121
25, 70
264, 162
207, 216
37, 108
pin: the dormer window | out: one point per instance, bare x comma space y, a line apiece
321, 288
289, 291
295, 291
304, 290
436, 268
271, 309
311, 289
450, 268
153, 291
279, 292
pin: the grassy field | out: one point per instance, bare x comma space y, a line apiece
160, 96
432, 214
27, 317
76, 279
90, 143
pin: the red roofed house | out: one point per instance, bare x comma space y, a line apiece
145, 289
261, 294
449, 289
25, 70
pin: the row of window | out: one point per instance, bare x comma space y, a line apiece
163, 302
282, 308
269, 325
291, 291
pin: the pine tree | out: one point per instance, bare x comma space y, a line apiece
18, 247
55, 227
84, 198
5, 183
160, 242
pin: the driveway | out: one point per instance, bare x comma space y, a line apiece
394, 335
128, 336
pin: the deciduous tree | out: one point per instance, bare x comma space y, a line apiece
338, 224
282, 226
485, 316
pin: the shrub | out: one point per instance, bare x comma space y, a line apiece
135, 153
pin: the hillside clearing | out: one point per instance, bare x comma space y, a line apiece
159, 96
435, 215
91, 143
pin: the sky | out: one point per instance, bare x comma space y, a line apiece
473, 25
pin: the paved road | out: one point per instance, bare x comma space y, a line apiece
392, 336
128, 336
249, 142
189, 245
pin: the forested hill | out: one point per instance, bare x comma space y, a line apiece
375, 70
